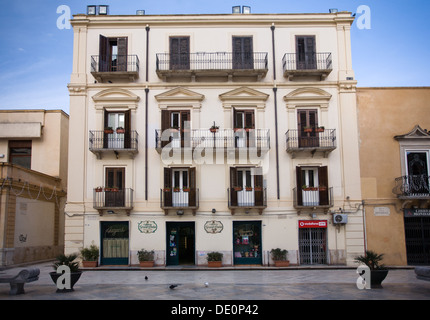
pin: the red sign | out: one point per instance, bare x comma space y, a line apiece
312, 223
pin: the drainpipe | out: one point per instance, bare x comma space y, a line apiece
146, 113
275, 89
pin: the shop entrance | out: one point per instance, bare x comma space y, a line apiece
247, 242
417, 236
313, 242
180, 243
114, 242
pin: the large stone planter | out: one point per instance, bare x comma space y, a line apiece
74, 277
377, 276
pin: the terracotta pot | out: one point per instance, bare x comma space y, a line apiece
282, 263
89, 264
146, 264
214, 264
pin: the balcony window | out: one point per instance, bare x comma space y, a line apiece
20, 153
312, 188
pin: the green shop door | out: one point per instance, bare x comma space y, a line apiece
180, 243
114, 243
247, 242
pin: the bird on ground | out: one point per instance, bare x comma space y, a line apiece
173, 286
146, 278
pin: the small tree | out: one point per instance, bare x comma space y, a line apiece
371, 259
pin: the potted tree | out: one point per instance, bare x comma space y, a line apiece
146, 258
75, 272
214, 259
279, 256
378, 272
90, 256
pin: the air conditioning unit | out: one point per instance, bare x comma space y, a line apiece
340, 218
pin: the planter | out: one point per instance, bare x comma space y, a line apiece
120, 130
74, 277
89, 264
214, 264
307, 130
146, 264
108, 131
248, 188
237, 188
377, 276
282, 263
213, 130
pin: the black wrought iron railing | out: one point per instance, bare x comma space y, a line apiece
315, 138
307, 61
180, 198
412, 186
115, 63
104, 140
105, 198
221, 138
211, 61
247, 197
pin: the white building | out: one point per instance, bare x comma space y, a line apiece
171, 185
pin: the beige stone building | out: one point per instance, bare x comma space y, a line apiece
394, 158
33, 184
280, 167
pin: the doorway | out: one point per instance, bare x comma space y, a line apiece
180, 243
114, 242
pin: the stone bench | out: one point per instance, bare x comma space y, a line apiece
422, 273
17, 281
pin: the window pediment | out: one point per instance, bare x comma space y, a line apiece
114, 98
416, 133
306, 96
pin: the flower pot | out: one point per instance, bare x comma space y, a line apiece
376, 278
213, 130
214, 264
146, 264
120, 130
282, 263
108, 131
74, 277
89, 264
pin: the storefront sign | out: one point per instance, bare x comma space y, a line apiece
147, 226
214, 226
417, 213
312, 223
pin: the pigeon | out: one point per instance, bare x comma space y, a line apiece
173, 286
146, 278
206, 284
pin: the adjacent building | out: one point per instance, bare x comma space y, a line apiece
234, 133
394, 161
33, 184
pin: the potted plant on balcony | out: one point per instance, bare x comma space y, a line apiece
248, 188
279, 256
214, 259
99, 189
120, 130
75, 272
90, 256
237, 188
378, 272
146, 258
214, 128
176, 189
307, 129
186, 189
108, 130
319, 129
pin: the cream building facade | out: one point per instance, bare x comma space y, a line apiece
280, 169
33, 184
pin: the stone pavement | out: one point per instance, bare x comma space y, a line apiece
223, 284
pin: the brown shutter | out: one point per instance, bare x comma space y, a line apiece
122, 54
127, 135
192, 185
299, 186
323, 181
103, 54
258, 187
165, 124
242, 53
179, 53
168, 187
233, 183
105, 135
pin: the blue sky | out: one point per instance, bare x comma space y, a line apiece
36, 56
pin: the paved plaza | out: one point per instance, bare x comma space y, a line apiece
222, 284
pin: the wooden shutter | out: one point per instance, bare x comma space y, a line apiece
127, 135
242, 53
167, 187
179, 53
323, 181
306, 52
233, 183
103, 54
122, 54
165, 124
192, 185
258, 190
299, 186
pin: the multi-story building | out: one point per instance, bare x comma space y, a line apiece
394, 157
33, 184
234, 133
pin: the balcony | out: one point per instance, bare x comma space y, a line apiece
247, 199
412, 187
102, 142
316, 140
257, 140
310, 198
179, 199
112, 199
115, 67
308, 64
212, 64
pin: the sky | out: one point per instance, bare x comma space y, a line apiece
389, 49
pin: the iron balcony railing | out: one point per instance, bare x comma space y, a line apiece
307, 61
212, 61
316, 138
179, 198
115, 63
222, 138
113, 198
313, 197
412, 187
247, 197
104, 140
